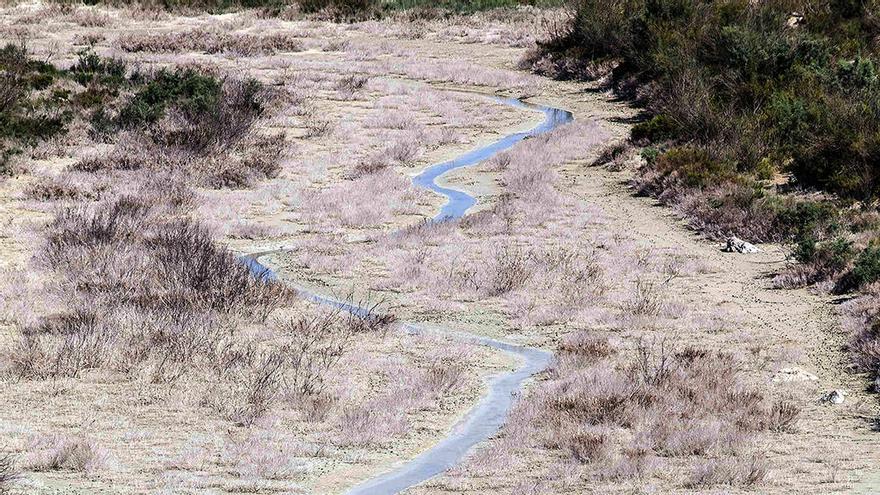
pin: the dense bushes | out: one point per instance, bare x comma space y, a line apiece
186, 120
753, 82
688, 408
180, 119
339, 10
145, 289
740, 93
30, 110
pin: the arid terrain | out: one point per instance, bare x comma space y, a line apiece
139, 354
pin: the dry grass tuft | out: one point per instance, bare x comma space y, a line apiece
69, 453
8, 473
689, 408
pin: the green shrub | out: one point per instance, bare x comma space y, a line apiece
693, 168
735, 78
659, 128
190, 92
807, 221
867, 267
650, 154
833, 255
27, 116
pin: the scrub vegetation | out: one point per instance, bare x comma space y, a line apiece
149, 147
737, 95
168, 120
340, 10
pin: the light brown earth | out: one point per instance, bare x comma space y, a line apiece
835, 449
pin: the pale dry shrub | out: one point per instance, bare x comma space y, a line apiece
722, 211
745, 471
8, 473
861, 320
400, 120
403, 151
411, 386
210, 41
610, 153
318, 126
352, 203
263, 454
69, 453
146, 290
370, 425
645, 301
373, 164
784, 416
513, 268
88, 39
349, 86
690, 408
67, 186
90, 17
444, 376
251, 380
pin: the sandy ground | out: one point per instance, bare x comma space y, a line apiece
834, 450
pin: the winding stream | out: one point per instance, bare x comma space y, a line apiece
484, 419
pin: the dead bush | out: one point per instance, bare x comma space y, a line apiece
584, 348
611, 155
8, 473
624, 419
210, 41
318, 126
60, 188
262, 388
64, 345
403, 152
513, 269
292, 370
246, 171
443, 376
366, 316
351, 84
783, 416
369, 166
645, 301
588, 447
70, 453
147, 290
746, 471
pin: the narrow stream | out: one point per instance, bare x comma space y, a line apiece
484, 419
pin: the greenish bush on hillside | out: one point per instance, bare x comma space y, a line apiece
792, 84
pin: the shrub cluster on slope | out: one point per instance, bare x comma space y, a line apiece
761, 87
689, 408
180, 120
32, 106
740, 95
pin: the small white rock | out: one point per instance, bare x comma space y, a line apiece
737, 245
835, 396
